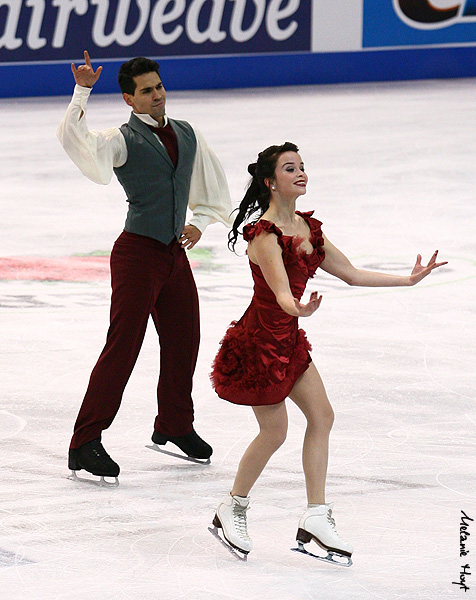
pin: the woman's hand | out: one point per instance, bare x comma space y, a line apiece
419, 271
306, 310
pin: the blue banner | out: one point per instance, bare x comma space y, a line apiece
57, 30
206, 44
393, 23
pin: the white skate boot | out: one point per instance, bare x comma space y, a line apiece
317, 524
231, 518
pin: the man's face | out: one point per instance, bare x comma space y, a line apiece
148, 97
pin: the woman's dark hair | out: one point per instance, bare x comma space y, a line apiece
132, 68
256, 198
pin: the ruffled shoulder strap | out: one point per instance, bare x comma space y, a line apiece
253, 229
314, 224
307, 216
317, 239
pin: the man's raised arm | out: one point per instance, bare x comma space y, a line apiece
95, 153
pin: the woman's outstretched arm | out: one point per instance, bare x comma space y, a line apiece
337, 264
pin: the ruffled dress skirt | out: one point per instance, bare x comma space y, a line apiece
258, 366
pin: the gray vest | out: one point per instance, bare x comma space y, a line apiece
157, 192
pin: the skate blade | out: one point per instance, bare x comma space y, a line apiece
239, 554
198, 461
334, 558
102, 482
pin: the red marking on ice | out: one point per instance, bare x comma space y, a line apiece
68, 268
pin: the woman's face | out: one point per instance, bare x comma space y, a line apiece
290, 179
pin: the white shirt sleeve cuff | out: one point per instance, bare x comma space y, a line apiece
201, 222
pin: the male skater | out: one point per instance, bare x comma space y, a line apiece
164, 166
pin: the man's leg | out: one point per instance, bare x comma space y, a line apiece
134, 285
176, 318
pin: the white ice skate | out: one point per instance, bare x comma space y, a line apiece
317, 524
230, 517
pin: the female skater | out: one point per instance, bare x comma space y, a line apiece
264, 357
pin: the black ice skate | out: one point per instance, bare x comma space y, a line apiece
93, 458
195, 449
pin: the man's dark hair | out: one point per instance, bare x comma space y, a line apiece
132, 68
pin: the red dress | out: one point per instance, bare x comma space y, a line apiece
264, 353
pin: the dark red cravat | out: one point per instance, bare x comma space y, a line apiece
168, 139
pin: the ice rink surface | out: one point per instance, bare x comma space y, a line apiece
392, 174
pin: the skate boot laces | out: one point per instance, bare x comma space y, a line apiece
239, 520
332, 523
331, 520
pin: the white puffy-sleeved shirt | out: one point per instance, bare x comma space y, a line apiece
97, 153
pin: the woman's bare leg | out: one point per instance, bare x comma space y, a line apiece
310, 396
273, 425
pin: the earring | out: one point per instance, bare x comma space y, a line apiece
273, 188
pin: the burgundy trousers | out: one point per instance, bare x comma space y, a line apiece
148, 278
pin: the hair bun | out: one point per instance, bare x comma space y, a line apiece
252, 169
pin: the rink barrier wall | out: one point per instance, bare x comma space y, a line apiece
211, 44
219, 72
